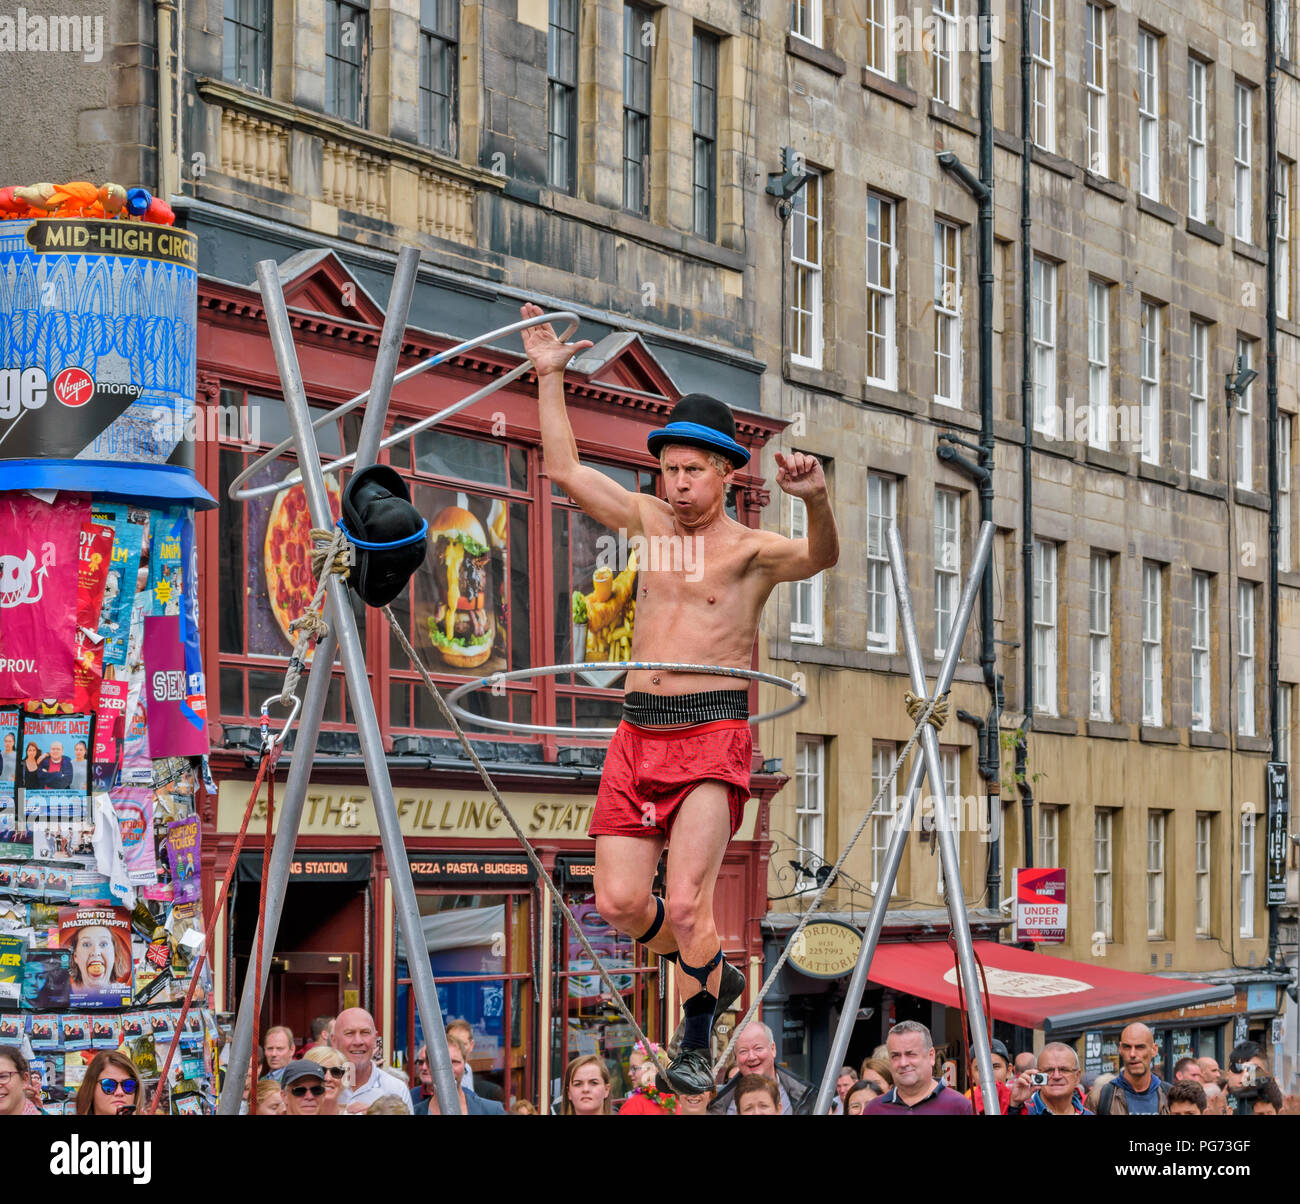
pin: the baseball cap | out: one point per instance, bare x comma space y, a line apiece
302, 1068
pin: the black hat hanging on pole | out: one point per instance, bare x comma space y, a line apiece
390, 537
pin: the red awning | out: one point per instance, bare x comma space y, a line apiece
1032, 990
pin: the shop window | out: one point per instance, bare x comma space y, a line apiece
480, 948
600, 566
262, 576
583, 1020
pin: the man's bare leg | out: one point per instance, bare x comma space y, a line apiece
625, 874
701, 831
709, 985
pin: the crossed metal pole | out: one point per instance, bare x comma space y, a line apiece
342, 635
922, 766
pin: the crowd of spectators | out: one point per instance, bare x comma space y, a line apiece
338, 1071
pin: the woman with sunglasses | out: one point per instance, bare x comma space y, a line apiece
111, 1086
303, 1088
336, 1068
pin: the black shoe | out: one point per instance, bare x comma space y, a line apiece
730, 988
690, 1073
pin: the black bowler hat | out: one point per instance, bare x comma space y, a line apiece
387, 531
699, 420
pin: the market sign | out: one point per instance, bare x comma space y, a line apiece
826, 949
1279, 807
1040, 906
311, 867
340, 810
447, 869
575, 871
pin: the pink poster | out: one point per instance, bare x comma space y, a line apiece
39, 546
109, 720
176, 729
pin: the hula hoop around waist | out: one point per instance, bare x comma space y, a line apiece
593, 733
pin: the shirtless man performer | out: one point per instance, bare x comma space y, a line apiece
679, 762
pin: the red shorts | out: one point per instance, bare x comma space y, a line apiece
649, 771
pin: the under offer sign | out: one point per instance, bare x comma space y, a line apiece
1040, 906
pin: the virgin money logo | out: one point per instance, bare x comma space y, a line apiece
74, 387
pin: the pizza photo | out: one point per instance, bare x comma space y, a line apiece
287, 549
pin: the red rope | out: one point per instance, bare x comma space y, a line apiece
261, 934
961, 1004
268, 762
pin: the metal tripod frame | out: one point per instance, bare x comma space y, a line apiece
922, 766
342, 635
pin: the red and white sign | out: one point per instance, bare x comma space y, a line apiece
74, 387
1040, 906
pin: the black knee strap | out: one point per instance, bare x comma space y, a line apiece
653, 930
700, 973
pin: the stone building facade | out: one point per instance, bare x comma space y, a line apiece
1150, 731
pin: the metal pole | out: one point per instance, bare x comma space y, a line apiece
958, 918
286, 835
300, 767
344, 625
898, 837
1274, 519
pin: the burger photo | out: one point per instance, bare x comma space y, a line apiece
461, 627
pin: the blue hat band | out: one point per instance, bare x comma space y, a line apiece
696, 432
366, 546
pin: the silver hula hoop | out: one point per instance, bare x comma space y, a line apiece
595, 733
238, 494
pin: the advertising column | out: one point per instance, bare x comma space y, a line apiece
102, 697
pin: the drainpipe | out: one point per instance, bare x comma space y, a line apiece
1270, 151
167, 178
989, 762
1027, 417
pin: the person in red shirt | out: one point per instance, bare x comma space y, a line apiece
1001, 1058
645, 1099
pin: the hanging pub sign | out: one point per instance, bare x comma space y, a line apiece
1040, 906
826, 949
1279, 809
447, 869
97, 366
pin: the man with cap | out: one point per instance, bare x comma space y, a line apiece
679, 762
1000, 1056
302, 1084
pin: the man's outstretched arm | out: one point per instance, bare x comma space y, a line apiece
801, 476
605, 500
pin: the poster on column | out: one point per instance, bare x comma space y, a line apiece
92, 572
99, 940
176, 728
39, 545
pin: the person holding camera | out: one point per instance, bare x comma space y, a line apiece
1251, 1090
1052, 1089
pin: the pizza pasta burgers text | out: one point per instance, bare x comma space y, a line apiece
461, 627
387, 531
